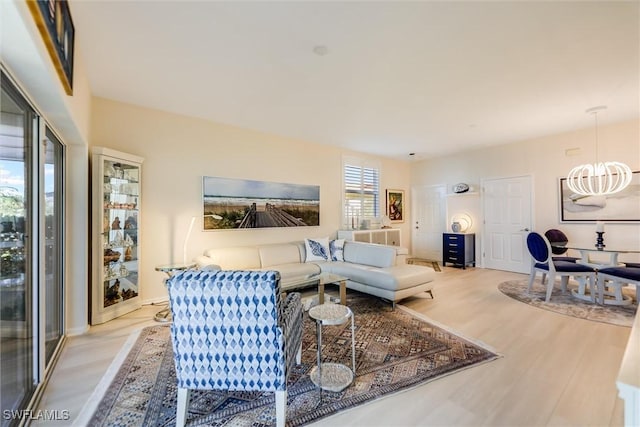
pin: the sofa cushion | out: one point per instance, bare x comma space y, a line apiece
295, 269
239, 258
370, 254
393, 278
317, 249
277, 254
336, 249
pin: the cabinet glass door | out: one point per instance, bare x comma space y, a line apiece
120, 232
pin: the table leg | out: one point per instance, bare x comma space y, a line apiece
343, 292
320, 293
319, 337
353, 344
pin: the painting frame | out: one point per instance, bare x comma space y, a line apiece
622, 207
236, 204
54, 22
394, 205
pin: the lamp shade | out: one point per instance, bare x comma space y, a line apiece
464, 220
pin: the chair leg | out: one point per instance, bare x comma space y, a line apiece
532, 277
281, 408
550, 283
183, 406
544, 277
299, 354
564, 282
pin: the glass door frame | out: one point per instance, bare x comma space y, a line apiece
35, 141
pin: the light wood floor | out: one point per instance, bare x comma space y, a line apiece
555, 370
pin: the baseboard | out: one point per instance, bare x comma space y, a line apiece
80, 330
156, 301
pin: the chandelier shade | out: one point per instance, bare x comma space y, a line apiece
599, 179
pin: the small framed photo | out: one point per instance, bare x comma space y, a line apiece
395, 205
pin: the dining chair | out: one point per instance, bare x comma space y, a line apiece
616, 278
542, 261
233, 331
558, 241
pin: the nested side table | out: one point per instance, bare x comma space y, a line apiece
164, 315
333, 376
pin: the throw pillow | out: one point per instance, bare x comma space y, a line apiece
317, 249
336, 248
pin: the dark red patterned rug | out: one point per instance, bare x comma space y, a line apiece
395, 350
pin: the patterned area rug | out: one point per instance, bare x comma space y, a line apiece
394, 350
565, 303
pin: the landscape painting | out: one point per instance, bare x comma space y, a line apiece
240, 203
623, 206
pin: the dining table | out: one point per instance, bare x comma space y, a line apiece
596, 258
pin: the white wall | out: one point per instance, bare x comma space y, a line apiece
179, 151
545, 160
24, 55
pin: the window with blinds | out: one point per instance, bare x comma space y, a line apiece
361, 192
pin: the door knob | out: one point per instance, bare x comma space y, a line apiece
525, 229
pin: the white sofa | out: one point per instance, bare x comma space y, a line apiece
369, 268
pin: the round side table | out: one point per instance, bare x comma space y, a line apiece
164, 315
332, 376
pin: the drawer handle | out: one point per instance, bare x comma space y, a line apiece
453, 244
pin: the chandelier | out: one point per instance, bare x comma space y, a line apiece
599, 178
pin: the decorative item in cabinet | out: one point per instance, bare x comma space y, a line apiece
459, 249
116, 202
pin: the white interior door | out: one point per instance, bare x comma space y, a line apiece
507, 204
428, 221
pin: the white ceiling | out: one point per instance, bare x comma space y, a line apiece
427, 77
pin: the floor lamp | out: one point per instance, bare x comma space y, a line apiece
186, 239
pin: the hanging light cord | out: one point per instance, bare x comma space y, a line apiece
599, 179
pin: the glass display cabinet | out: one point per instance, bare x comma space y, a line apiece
115, 234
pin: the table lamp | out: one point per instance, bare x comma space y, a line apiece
186, 239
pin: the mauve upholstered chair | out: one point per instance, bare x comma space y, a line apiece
541, 261
558, 241
233, 331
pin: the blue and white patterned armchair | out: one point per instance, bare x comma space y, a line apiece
232, 331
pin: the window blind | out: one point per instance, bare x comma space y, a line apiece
361, 192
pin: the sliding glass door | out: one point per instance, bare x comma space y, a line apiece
53, 243
31, 257
18, 123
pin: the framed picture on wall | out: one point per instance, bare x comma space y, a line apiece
230, 203
55, 25
623, 206
395, 205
